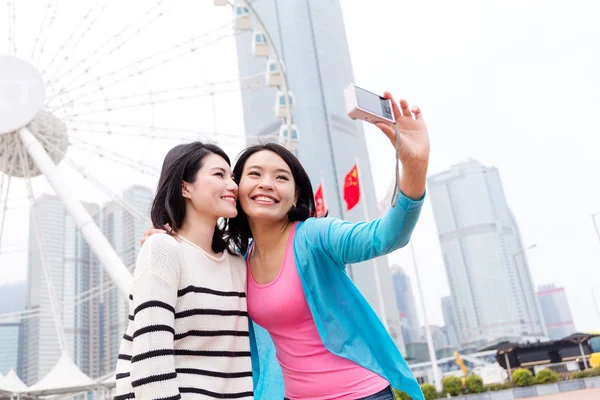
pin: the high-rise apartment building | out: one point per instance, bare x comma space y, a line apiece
10, 351
124, 232
492, 290
450, 323
93, 312
405, 301
69, 266
556, 311
12, 300
311, 40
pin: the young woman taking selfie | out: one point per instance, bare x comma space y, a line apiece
328, 342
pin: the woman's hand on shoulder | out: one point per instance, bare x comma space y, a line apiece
155, 231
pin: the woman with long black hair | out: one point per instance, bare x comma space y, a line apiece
188, 324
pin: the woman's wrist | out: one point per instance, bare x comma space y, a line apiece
413, 181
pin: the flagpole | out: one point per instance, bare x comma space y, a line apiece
437, 379
343, 217
375, 263
322, 183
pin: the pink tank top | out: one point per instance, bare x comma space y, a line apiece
310, 371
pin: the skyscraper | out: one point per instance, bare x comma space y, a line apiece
450, 323
69, 262
10, 352
405, 301
94, 316
124, 232
311, 40
556, 311
438, 335
12, 300
489, 278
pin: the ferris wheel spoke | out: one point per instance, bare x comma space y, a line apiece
2, 179
35, 58
18, 316
152, 98
89, 14
145, 131
117, 107
64, 106
200, 90
8, 249
86, 175
145, 64
19, 319
112, 93
219, 137
12, 28
164, 96
148, 62
83, 296
98, 290
116, 41
60, 332
114, 156
4, 206
150, 132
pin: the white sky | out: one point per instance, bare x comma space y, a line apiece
513, 84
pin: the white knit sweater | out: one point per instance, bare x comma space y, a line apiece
188, 326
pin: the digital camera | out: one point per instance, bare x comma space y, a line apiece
367, 106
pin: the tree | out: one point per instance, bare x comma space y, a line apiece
452, 385
474, 384
546, 376
429, 391
401, 395
522, 377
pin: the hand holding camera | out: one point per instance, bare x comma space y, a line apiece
405, 128
384, 112
414, 139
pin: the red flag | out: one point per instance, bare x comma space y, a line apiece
351, 188
320, 203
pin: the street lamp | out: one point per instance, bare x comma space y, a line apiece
522, 253
596, 225
598, 236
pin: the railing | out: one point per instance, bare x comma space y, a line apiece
536, 390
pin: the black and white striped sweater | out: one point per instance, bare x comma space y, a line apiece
187, 336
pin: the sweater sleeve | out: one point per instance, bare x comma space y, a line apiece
349, 243
154, 291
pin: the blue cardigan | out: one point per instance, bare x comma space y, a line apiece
346, 323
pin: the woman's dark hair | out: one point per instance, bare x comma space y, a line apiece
182, 163
239, 229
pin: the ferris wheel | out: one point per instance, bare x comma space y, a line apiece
108, 87
93, 93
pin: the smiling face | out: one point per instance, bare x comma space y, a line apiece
214, 192
267, 187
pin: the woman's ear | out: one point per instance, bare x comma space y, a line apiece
185, 192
